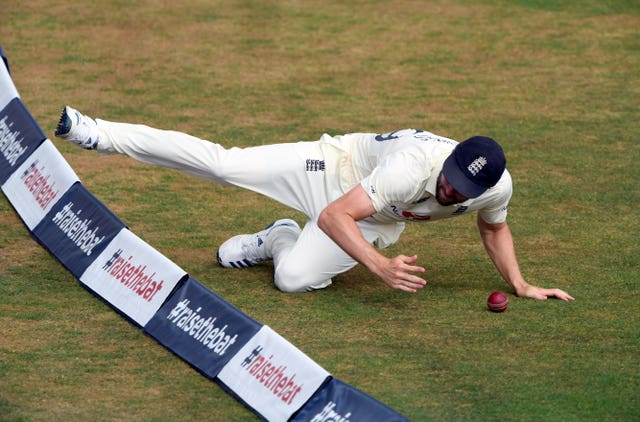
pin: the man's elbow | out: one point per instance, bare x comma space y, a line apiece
485, 227
324, 220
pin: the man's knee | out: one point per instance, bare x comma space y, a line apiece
295, 278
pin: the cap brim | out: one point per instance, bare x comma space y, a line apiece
459, 181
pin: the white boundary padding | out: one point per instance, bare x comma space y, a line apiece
35, 187
132, 276
272, 376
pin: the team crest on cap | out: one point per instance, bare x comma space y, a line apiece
476, 166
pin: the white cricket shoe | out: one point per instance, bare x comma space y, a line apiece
77, 128
247, 250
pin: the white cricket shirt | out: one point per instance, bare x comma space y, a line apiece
399, 171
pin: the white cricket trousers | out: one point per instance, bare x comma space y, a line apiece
289, 173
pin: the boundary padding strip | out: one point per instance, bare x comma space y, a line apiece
249, 360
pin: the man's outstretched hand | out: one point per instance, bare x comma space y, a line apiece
398, 273
540, 293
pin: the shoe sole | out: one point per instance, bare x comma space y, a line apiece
64, 124
235, 264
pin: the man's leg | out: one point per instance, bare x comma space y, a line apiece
276, 171
283, 172
311, 260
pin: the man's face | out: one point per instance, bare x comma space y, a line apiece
446, 194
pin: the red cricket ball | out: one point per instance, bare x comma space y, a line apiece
497, 302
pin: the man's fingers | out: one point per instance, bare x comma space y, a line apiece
544, 294
411, 287
401, 274
414, 269
408, 261
411, 283
562, 295
408, 282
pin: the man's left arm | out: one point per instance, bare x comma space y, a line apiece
498, 243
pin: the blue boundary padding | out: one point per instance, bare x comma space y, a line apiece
77, 229
20, 136
120, 312
201, 328
338, 401
332, 396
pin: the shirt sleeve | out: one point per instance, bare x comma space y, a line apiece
496, 210
398, 178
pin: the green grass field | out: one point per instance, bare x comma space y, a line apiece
556, 82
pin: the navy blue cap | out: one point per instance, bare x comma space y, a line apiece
474, 166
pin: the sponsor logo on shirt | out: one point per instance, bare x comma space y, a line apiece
461, 210
314, 165
415, 217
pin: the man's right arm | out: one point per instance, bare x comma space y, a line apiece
338, 221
